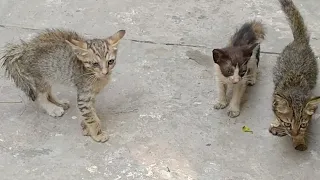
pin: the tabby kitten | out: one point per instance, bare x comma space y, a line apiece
294, 76
63, 56
236, 65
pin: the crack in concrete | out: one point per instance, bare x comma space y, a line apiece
185, 45
135, 40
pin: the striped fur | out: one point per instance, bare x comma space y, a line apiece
57, 55
294, 76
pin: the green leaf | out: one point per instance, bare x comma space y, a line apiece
246, 129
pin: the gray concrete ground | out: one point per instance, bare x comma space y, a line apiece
158, 109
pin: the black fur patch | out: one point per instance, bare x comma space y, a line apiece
258, 55
32, 95
244, 36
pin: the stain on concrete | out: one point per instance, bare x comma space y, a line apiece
200, 58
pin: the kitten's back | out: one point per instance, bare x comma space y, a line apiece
47, 55
56, 35
297, 63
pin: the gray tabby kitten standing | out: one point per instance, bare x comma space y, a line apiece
65, 57
295, 76
236, 65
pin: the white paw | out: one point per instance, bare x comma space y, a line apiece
234, 111
64, 101
56, 111
220, 105
65, 104
233, 114
251, 82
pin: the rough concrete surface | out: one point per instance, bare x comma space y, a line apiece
158, 109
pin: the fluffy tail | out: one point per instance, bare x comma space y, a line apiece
299, 29
12, 55
259, 30
249, 33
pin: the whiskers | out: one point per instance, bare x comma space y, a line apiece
247, 77
311, 136
79, 79
287, 132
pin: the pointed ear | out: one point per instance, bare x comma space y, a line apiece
218, 55
114, 39
80, 49
248, 50
77, 44
280, 104
312, 105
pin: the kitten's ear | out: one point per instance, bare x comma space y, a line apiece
114, 39
79, 48
77, 44
248, 51
280, 104
312, 105
218, 55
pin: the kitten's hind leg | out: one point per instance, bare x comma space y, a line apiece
52, 109
59, 102
252, 76
44, 89
253, 66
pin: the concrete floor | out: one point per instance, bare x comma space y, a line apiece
158, 109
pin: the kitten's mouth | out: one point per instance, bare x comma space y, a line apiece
102, 76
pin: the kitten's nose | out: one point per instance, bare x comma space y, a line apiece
104, 71
294, 132
235, 81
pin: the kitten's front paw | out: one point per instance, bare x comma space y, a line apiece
65, 104
56, 111
102, 137
95, 132
301, 147
233, 114
251, 82
85, 130
220, 105
277, 131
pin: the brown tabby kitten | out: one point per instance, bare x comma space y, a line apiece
295, 76
236, 65
63, 56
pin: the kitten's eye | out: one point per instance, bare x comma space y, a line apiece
287, 124
303, 125
111, 61
230, 71
96, 64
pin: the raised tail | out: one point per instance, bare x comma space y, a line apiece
259, 30
12, 55
298, 27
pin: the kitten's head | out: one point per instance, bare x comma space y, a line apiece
233, 61
98, 55
294, 113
